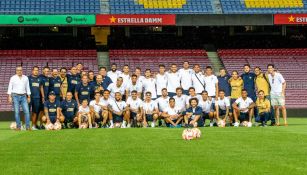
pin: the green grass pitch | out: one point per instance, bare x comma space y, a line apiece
271, 150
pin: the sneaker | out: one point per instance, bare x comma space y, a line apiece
129, 125
152, 124
236, 124
123, 126
23, 128
90, 126
34, 128
111, 126
211, 124
42, 127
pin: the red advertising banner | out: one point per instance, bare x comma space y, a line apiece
290, 19
132, 20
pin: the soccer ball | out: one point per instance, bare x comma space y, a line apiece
49, 126
221, 124
82, 126
13, 125
57, 126
196, 133
187, 134
244, 123
117, 125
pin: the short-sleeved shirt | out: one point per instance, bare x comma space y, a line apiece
84, 92
262, 83
173, 81
249, 83
149, 85
244, 103
207, 106
97, 85
69, 108
106, 81
84, 110
161, 82
198, 81
210, 82
223, 82
55, 85
134, 104
118, 106
134, 87
186, 78
236, 87
45, 82
263, 105
73, 80
276, 82
172, 111
187, 102
163, 103
222, 103
126, 79
149, 107
35, 83
96, 106
196, 111
52, 107
114, 75
113, 89
105, 102
180, 102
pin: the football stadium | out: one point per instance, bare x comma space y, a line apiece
153, 87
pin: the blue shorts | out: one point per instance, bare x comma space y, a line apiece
149, 117
244, 116
171, 126
68, 118
133, 115
205, 115
117, 118
200, 122
53, 119
35, 104
222, 112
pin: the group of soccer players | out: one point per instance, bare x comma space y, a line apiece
184, 97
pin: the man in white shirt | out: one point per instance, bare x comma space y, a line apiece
117, 87
138, 72
244, 108
135, 105
151, 111
104, 102
163, 101
222, 106
198, 79
149, 84
180, 99
114, 73
119, 109
172, 115
211, 83
186, 77
192, 94
278, 88
161, 80
207, 106
173, 80
125, 75
96, 110
134, 85
19, 95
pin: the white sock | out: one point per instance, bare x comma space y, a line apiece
111, 121
124, 123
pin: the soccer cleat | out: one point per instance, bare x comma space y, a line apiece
152, 124
111, 126
129, 125
123, 126
22, 128
34, 128
236, 124
211, 124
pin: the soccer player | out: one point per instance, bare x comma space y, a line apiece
207, 105
44, 89
180, 99
211, 83
73, 80
134, 85
172, 115
263, 105
52, 110
186, 77
236, 84
278, 88
173, 80
138, 72
69, 110
64, 82
192, 116
163, 101
119, 110
98, 84
91, 77
106, 114
244, 108
83, 90
84, 116
96, 110
35, 83
114, 73
222, 107
79, 69
151, 111
106, 81
192, 95
198, 79
149, 84
135, 106
223, 82
161, 80
125, 75
55, 84
117, 87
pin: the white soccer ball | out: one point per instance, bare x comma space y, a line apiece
196, 133
13, 125
49, 126
244, 123
187, 134
57, 126
221, 124
117, 125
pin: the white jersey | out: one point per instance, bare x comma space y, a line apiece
118, 106
84, 110
161, 82
162, 103
207, 105
222, 103
186, 78
180, 102
210, 82
199, 97
105, 102
198, 82
276, 82
149, 85
173, 81
140, 79
114, 75
113, 89
96, 106
134, 87
244, 103
149, 107
135, 104
126, 79
172, 111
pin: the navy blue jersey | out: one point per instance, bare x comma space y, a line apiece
249, 83
52, 107
73, 80
84, 92
224, 84
106, 81
55, 85
35, 83
45, 83
69, 108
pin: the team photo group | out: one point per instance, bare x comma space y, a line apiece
175, 97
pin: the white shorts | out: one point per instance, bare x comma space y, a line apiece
277, 100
